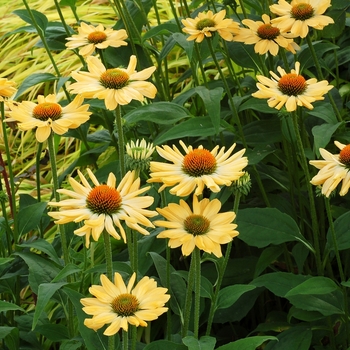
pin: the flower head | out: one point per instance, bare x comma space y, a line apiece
7, 88
206, 23
139, 154
115, 85
290, 89
119, 305
204, 227
333, 169
299, 15
103, 206
47, 115
91, 37
265, 37
197, 168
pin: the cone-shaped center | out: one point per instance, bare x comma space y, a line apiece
344, 156
97, 37
114, 78
292, 84
103, 199
268, 32
196, 224
47, 110
302, 11
199, 162
205, 23
125, 305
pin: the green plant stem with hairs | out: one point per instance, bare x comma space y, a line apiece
119, 125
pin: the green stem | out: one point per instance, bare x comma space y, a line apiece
118, 122
197, 291
125, 340
314, 222
221, 272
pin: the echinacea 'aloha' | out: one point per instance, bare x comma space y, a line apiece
102, 206
139, 154
333, 169
47, 115
91, 37
120, 305
290, 89
299, 15
205, 24
204, 227
114, 85
265, 37
197, 168
7, 88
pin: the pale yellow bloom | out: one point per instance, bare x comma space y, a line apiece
290, 89
334, 169
207, 23
91, 38
7, 88
204, 227
299, 15
47, 115
114, 85
197, 168
119, 305
103, 206
265, 37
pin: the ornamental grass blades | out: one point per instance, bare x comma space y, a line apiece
175, 175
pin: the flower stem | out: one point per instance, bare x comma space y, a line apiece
314, 222
118, 122
197, 290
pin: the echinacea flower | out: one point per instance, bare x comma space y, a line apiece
203, 227
119, 305
265, 37
114, 85
197, 168
103, 206
207, 23
91, 37
333, 169
139, 154
290, 89
7, 88
47, 115
299, 15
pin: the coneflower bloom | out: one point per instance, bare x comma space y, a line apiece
119, 305
290, 89
103, 206
196, 169
7, 88
299, 15
114, 85
265, 37
203, 227
47, 115
205, 24
335, 168
90, 38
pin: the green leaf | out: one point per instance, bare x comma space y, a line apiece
262, 132
268, 256
244, 55
4, 261
46, 291
68, 270
323, 134
229, 295
44, 246
181, 40
54, 332
260, 227
161, 29
194, 127
29, 217
10, 336
250, 343
314, 285
164, 344
70, 3
6, 306
257, 104
325, 112
39, 18
33, 80
204, 343
342, 236
159, 113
